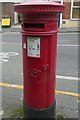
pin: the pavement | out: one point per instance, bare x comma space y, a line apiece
16, 28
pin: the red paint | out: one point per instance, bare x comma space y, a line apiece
39, 19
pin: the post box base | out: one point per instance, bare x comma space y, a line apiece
42, 113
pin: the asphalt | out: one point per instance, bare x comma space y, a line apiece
16, 28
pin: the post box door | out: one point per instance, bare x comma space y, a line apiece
37, 71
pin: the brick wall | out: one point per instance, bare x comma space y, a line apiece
0, 12
66, 14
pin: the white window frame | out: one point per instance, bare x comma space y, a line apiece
72, 6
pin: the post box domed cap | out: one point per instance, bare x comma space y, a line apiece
39, 6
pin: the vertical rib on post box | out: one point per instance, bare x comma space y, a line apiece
39, 44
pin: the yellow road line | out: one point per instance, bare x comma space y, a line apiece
68, 93
11, 86
21, 87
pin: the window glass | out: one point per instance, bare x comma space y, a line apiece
76, 3
76, 9
76, 13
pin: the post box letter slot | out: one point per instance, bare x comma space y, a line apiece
34, 25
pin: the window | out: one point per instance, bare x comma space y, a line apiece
76, 2
75, 9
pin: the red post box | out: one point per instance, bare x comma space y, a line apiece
39, 44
